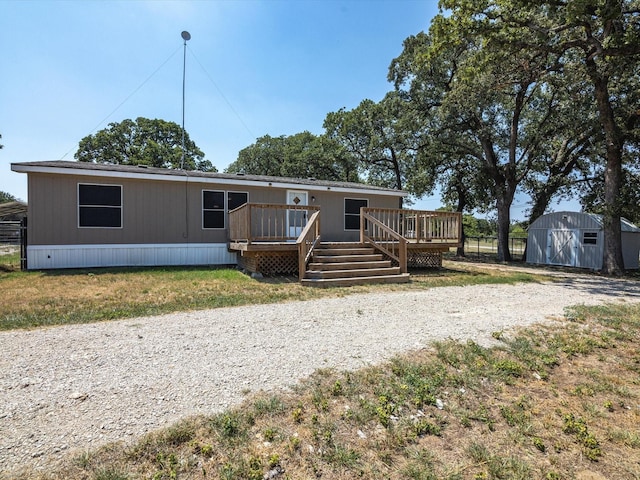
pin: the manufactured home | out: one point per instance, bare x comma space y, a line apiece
96, 215
575, 239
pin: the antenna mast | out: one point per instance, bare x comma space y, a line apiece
185, 36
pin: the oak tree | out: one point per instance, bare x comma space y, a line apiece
600, 38
303, 155
151, 142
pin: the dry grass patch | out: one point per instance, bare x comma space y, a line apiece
551, 402
32, 299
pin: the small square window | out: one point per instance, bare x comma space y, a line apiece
590, 238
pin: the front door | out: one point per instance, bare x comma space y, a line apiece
296, 219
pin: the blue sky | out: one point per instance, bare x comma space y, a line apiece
253, 68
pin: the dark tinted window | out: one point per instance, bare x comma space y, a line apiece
212, 209
100, 206
212, 200
236, 199
352, 212
590, 238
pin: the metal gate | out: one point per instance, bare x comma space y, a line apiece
23, 244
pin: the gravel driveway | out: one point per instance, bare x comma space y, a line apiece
78, 387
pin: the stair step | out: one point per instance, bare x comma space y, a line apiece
327, 251
344, 264
346, 258
364, 272
344, 282
343, 245
348, 265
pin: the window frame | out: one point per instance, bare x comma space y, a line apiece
591, 240
366, 200
80, 206
223, 209
235, 192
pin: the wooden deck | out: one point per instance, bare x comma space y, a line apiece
265, 238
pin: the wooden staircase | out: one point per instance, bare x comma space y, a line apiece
339, 264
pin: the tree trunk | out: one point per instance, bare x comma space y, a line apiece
504, 222
613, 263
503, 190
460, 249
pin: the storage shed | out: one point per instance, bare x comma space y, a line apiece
575, 239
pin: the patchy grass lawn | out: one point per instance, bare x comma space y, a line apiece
41, 298
550, 402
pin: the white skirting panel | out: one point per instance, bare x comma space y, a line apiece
41, 257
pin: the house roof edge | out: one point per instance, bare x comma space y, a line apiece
151, 173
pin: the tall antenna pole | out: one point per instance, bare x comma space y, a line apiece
185, 36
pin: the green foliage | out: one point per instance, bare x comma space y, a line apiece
425, 427
478, 227
302, 155
167, 464
381, 137
178, 434
155, 143
7, 197
242, 468
578, 428
593, 199
514, 96
110, 474
539, 444
268, 405
231, 426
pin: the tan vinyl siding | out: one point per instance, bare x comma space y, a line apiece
163, 212
332, 213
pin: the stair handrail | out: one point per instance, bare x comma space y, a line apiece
384, 239
307, 241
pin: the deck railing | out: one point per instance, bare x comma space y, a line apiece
258, 222
420, 226
383, 238
307, 241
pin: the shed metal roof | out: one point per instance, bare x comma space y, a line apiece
593, 218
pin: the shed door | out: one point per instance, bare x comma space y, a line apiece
562, 246
296, 219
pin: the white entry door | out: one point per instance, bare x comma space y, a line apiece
562, 247
296, 219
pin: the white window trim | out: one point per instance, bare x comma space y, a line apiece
226, 198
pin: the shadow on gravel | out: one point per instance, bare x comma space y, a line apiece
613, 287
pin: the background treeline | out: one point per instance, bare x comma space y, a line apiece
497, 99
